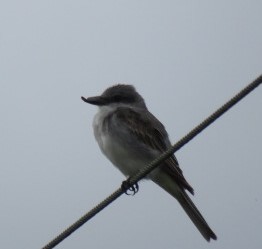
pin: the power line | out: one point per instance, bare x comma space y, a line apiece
147, 169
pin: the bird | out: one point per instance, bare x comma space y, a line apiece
130, 136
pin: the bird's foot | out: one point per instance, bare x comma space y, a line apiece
128, 187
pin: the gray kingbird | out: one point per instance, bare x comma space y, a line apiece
131, 137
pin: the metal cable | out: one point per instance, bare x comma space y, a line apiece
147, 169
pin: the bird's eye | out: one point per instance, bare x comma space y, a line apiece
117, 98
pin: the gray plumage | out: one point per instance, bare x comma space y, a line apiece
131, 137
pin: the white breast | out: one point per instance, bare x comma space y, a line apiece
117, 153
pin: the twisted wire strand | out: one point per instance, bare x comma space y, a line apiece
147, 169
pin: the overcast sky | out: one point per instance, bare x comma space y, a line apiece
186, 58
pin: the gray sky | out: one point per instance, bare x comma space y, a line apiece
186, 58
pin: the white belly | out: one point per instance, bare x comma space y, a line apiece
119, 154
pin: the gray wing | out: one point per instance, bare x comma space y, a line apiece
153, 134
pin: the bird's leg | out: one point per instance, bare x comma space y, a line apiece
126, 186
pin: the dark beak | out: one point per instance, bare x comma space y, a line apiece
98, 100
